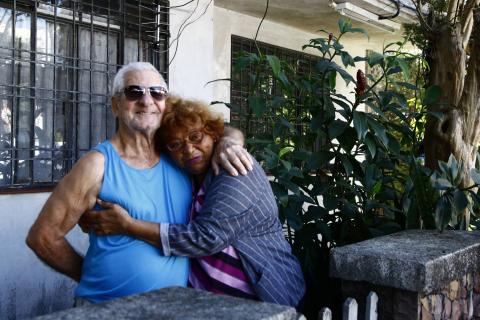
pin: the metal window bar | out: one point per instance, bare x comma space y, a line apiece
45, 161
243, 118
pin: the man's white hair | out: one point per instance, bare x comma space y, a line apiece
119, 79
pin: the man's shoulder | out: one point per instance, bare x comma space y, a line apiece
92, 159
89, 167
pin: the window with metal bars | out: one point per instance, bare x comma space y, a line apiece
241, 116
57, 63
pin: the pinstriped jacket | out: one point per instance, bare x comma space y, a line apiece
241, 211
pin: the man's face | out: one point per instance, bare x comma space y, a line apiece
144, 114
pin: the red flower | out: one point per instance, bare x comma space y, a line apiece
361, 83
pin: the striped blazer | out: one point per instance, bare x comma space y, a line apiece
241, 211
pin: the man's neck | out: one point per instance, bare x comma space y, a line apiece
138, 149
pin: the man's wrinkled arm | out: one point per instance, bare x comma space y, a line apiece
75, 194
234, 134
230, 154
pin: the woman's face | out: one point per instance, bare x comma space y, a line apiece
191, 148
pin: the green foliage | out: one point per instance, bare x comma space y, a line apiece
347, 169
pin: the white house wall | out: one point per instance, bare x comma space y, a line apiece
204, 48
193, 65
27, 286
228, 23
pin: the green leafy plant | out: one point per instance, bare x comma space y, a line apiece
348, 167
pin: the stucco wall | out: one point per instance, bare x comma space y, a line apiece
227, 22
204, 48
193, 65
27, 286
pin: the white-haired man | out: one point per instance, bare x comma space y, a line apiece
128, 170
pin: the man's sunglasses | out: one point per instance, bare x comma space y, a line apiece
134, 93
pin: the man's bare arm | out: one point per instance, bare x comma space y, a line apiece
230, 154
75, 194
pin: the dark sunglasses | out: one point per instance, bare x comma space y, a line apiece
134, 93
194, 137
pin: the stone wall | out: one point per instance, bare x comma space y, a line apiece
417, 274
177, 303
459, 299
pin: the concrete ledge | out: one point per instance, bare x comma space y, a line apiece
179, 303
415, 260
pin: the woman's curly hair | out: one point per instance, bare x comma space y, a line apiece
181, 114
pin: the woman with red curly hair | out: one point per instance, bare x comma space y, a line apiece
234, 236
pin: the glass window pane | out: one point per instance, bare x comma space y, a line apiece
84, 65
22, 35
98, 124
55, 97
83, 129
63, 42
130, 50
6, 40
5, 141
45, 40
6, 79
23, 141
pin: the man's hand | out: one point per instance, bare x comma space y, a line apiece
232, 157
230, 154
112, 220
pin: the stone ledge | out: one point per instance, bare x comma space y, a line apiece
415, 260
178, 303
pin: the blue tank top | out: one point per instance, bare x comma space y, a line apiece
118, 265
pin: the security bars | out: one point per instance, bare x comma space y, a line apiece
57, 62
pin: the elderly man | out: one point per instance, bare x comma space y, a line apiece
129, 171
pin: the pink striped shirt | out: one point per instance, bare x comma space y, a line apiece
221, 272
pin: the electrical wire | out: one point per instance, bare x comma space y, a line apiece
394, 15
183, 23
180, 28
188, 24
182, 5
258, 29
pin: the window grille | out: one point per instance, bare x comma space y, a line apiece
243, 118
57, 63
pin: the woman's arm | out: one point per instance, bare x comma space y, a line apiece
234, 207
230, 210
114, 219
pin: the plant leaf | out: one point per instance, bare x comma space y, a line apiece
360, 124
257, 104
475, 175
274, 63
443, 212
460, 200
336, 128
432, 94
371, 145
319, 159
442, 184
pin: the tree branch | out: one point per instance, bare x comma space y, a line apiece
452, 10
423, 23
467, 16
467, 32
470, 99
